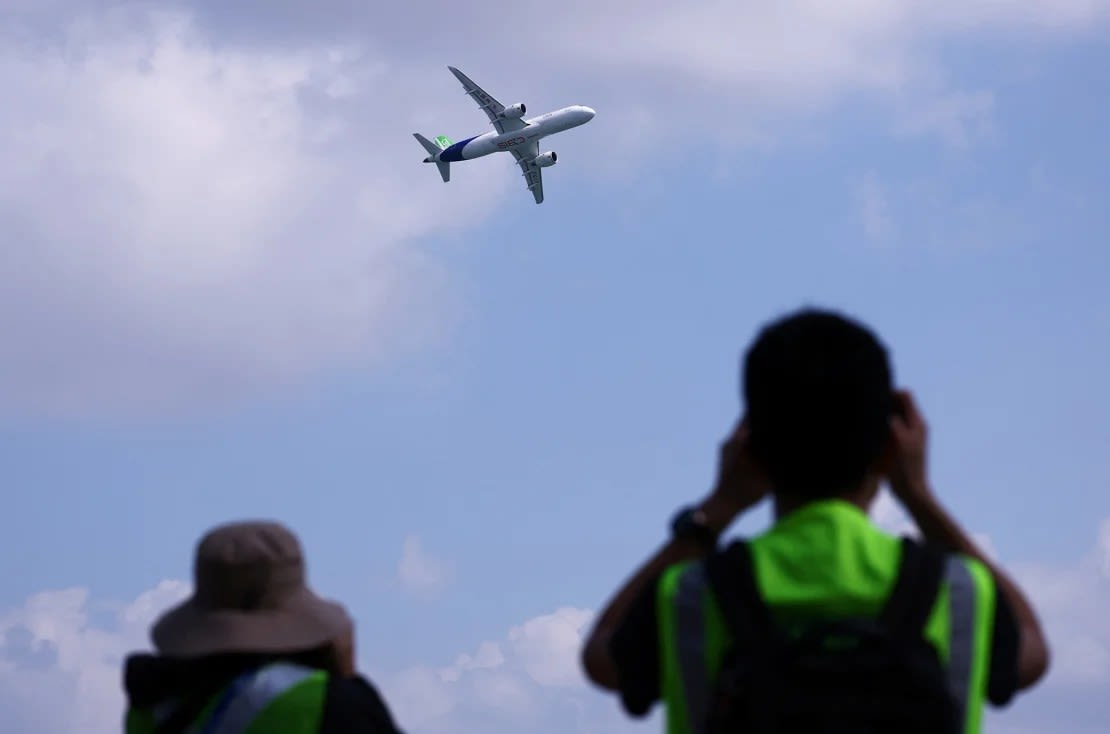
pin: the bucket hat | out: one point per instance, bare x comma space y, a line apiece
250, 596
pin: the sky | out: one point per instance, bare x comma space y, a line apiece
230, 289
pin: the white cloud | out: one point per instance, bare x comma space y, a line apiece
750, 62
548, 646
60, 663
186, 217
420, 572
529, 680
183, 222
60, 671
489, 655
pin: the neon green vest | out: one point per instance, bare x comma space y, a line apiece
824, 560
281, 698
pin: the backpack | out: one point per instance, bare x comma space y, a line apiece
841, 676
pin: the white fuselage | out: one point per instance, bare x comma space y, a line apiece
536, 128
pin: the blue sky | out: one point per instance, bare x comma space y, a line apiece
231, 290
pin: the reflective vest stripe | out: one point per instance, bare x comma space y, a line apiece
253, 696
961, 636
691, 640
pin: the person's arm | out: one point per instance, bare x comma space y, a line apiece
938, 526
739, 486
909, 483
597, 659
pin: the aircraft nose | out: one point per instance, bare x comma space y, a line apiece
589, 112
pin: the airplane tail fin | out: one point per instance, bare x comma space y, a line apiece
441, 143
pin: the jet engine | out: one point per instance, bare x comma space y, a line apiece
543, 160
516, 110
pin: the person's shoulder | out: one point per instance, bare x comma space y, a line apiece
692, 575
667, 582
971, 572
352, 704
641, 623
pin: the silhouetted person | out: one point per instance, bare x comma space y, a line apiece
253, 650
822, 623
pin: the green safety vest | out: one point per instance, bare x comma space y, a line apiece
280, 698
824, 560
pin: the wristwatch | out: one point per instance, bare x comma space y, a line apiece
690, 523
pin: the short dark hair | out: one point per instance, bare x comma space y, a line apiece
818, 392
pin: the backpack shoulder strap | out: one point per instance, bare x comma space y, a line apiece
909, 604
731, 576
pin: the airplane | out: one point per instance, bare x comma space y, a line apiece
511, 133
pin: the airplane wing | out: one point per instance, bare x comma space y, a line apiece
532, 173
492, 107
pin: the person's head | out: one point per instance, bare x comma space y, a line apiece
251, 598
818, 393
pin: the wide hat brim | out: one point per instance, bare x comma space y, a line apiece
303, 621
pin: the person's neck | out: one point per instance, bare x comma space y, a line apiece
861, 497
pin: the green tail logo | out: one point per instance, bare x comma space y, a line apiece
443, 141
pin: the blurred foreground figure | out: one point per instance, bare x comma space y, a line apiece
823, 623
253, 651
